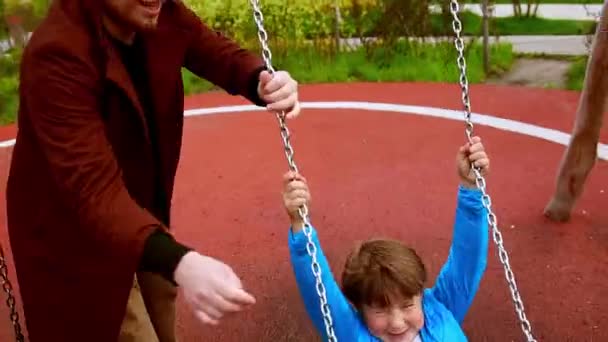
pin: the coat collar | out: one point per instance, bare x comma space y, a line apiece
87, 14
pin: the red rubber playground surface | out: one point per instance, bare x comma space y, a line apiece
390, 174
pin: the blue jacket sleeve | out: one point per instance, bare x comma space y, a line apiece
347, 325
459, 278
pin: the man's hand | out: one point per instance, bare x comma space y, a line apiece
280, 91
210, 287
295, 195
472, 154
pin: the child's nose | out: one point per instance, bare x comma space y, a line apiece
397, 320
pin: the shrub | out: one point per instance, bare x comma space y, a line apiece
9, 86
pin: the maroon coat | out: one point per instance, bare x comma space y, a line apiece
82, 168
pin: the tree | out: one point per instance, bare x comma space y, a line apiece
20, 17
531, 8
581, 154
40, 7
3, 25
338, 22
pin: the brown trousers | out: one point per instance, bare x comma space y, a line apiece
150, 314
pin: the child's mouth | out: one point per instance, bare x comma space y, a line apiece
397, 337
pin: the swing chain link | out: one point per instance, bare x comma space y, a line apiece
289, 153
480, 181
10, 301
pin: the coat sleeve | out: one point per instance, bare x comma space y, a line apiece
216, 58
460, 276
62, 94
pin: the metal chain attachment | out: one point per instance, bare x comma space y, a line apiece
10, 301
480, 181
289, 153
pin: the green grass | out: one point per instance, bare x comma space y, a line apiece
8, 99
403, 62
541, 26
576, 74
520, 26
9, 85
407, 62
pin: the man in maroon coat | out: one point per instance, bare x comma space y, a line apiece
91, 179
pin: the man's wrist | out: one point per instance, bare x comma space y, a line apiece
254, 87
179, 270
162, 253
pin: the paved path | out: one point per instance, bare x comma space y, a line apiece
552, 45
561, 45
553, 11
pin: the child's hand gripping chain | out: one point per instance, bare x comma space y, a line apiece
295, 195
468, 155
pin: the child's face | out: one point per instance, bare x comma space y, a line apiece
399, 322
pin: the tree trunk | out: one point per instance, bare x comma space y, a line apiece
17, 34
528, 8
536, 5
338, 21
580, 156
486, 33
517, 8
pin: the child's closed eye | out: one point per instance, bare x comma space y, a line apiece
377, 310
407, 305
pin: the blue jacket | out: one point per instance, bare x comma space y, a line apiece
444, 305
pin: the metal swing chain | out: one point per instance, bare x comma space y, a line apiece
10, 301
481, 184
310, 247
289, 153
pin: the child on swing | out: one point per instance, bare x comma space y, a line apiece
383, 295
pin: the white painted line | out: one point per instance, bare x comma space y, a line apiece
519, 127
7, 143
540, 132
